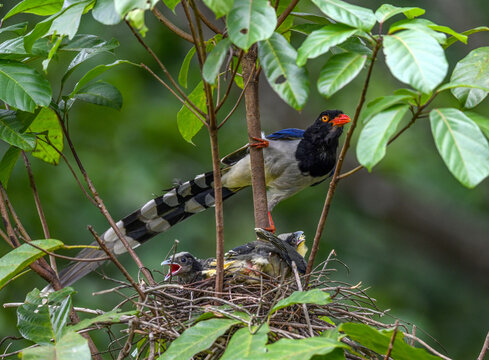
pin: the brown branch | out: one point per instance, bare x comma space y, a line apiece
165, 71
103, 209
40, 211
198, 47
207, 22
184, 35
254, 131
286, 13
50, 253
484, 348
391, 343
339, 164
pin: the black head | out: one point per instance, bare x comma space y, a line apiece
182, 264
297, 240
331, 122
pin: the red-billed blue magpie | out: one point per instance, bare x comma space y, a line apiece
294, 159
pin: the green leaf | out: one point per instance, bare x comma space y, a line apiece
104, 12
11, 131
378, 341
452, 85
124, 6
356, 16
449, 31
47, 126
289, 81
384, 102
37, 7
422, 25
250, 21
338, 71
244, 345
386, 11
68, 21
452, 39
355, 45
306, 28
480, 120
71, 346
316, 19
376, 133
197, 338
23, 87
188, 124
100, 93
18, 29
215, 60
18, 259
315, 296
461, 145
108, 317
416, 59
7, 165
220, 7
171, 4
136, 20
320, 41
96, 71
472, 69
300, 349
183, 74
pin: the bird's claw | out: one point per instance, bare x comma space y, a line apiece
260, 143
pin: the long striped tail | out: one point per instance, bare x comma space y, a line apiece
156, 216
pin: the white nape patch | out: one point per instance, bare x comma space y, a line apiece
192, 206
158, 225
184, 189
200, 181
209, 200
149, 211
110, 236
119, 247
170, 198
260, 260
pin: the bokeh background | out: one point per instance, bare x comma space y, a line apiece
408, 231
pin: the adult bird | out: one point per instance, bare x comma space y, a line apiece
294, 159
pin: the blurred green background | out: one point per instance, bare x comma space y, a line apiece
408, 231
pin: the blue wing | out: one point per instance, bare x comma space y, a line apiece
287, 134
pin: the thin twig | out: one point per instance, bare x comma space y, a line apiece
484, 348
184, 35
128, 345
207, 22
391, 343
50, 253
228, 89
418, 340
304, 306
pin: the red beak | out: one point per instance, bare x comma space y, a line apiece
341, 120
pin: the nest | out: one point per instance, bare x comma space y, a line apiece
171, 308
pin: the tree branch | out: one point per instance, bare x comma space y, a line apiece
286, 13
171, 26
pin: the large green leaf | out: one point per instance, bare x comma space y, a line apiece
42, 317
376, 133
245, 345
12, 131
472, 69
384, 102
301, 349
7, 164
14, 49
315, 296
189, 124
48, 128
68, 21
348, 14
415, 58
215, 60
16, 260
18, 29
71, 346
338, 71
23, 87
386, 11
278, 59
250, 21
104, 12
423, 25
183, 74
100, 93
220, 7
38, 7
320, 41
96, 71
108, 317
461, 145
378, 341
196, 339
481, 121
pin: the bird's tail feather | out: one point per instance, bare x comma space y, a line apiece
156, 216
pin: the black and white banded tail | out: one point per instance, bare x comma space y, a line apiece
156, 216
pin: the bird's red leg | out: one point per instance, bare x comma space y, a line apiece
271, 228
261, 143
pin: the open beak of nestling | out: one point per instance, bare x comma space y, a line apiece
173, 270
300, 238
341, 120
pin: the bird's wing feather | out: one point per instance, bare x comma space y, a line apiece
236, 155
287, 134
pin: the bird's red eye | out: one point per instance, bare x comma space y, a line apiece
325, 118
